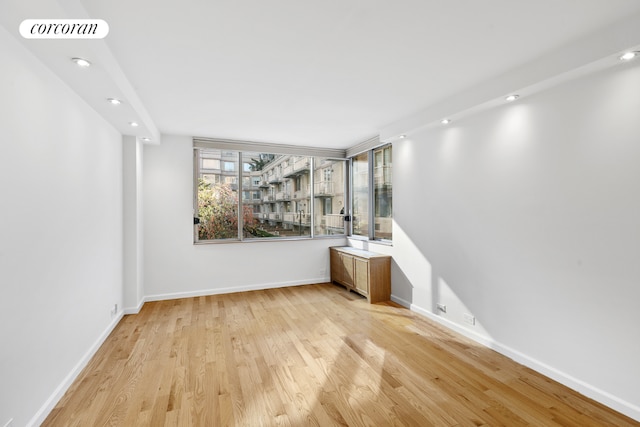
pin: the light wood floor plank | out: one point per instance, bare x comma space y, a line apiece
313, 355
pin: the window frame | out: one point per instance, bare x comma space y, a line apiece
239, 148
371, 202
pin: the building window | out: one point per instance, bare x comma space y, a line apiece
211, 178
210, 163
272, 196
371, 195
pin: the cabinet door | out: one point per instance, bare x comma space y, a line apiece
347, 270
337, 269
361, 279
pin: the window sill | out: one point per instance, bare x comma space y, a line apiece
280, 239
371, 241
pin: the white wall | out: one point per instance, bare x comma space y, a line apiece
174, 266
60, 233
133, 267
527, 216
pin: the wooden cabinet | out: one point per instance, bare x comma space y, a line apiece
364, 272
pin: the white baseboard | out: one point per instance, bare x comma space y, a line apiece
136, 309
217, 291
55, 397
613, 402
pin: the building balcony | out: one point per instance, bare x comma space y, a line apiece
299, 166
268, 199
264, 184
295, 218
282, 195
333, 221
275, 216
383, 227
301, 163
323, 189
301, 194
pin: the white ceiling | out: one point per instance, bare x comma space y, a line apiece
327, 73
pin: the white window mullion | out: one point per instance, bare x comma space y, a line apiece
240, 207
312, 199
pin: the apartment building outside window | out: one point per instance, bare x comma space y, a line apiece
360, 194
382, 193
371, 194
329, 195
272, 196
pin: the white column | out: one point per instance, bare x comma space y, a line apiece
133, 280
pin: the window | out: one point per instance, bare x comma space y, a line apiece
217, 207
382, 200
211, 178
327, 207
360, 194
272, 196
329, 185
371, 195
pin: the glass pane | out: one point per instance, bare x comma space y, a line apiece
329, 184
382, 193
360, 196
217, 198
252, 164
282, 204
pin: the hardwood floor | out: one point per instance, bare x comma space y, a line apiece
308, 355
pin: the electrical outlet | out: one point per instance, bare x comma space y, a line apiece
469, 319
441, 307
114, 310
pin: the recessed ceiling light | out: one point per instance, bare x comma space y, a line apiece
403, 136
145, 139
445, 121
133, 124
628, 56
511, 98
81, 62
114, 101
